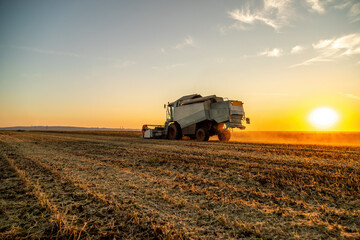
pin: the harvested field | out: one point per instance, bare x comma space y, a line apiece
122, 186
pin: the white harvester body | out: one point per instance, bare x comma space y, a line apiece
199, 118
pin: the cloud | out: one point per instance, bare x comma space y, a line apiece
221, 29
355, 12
46, 51
168, 67
280, 13
310, 61
188, 41
343, 5
349, 95
219, 60
316, 5
353, 7
277, 94
124, 64
245, 16
118, 64
331, 49
272, 13
337, 47
322, 44
276, 52
31, 75
175, 65
297, 49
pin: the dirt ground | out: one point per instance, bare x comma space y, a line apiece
99, 186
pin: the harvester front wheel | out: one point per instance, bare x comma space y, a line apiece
224, 135
174, 132
202, 135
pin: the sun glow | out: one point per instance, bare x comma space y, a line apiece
323, 117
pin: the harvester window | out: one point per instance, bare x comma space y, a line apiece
170, 113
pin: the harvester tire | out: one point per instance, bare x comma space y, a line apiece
174, 132
224, 135
202, 135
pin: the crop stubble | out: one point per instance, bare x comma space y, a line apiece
127, 187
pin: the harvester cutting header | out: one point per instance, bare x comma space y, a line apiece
199, 118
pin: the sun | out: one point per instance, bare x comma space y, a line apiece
323, 117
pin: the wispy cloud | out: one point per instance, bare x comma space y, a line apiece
188, 41
337, 47
273, 94
124, 64
280, 13
331, 49
317, 5
297, 49
352, 6
117, 63
163, 51
175, 65
46, 51
31, 75
343, 5
354, 12
276, 52
349, 95
272, 13
219, 60
310, 61
168, 67
245, 16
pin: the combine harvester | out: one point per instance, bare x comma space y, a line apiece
199, 118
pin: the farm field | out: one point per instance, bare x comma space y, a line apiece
97, 186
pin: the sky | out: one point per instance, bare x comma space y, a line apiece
115, 63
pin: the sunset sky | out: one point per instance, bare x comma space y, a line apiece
115, 63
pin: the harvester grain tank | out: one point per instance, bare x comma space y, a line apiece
199, 118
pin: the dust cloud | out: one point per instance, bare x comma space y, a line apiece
325, 138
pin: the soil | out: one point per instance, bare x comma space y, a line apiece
100, 186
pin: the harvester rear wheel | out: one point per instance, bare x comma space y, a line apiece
202, 135
174, 132
224, 135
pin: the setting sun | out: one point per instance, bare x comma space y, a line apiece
323, 117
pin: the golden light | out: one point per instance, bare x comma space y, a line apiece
323, 117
